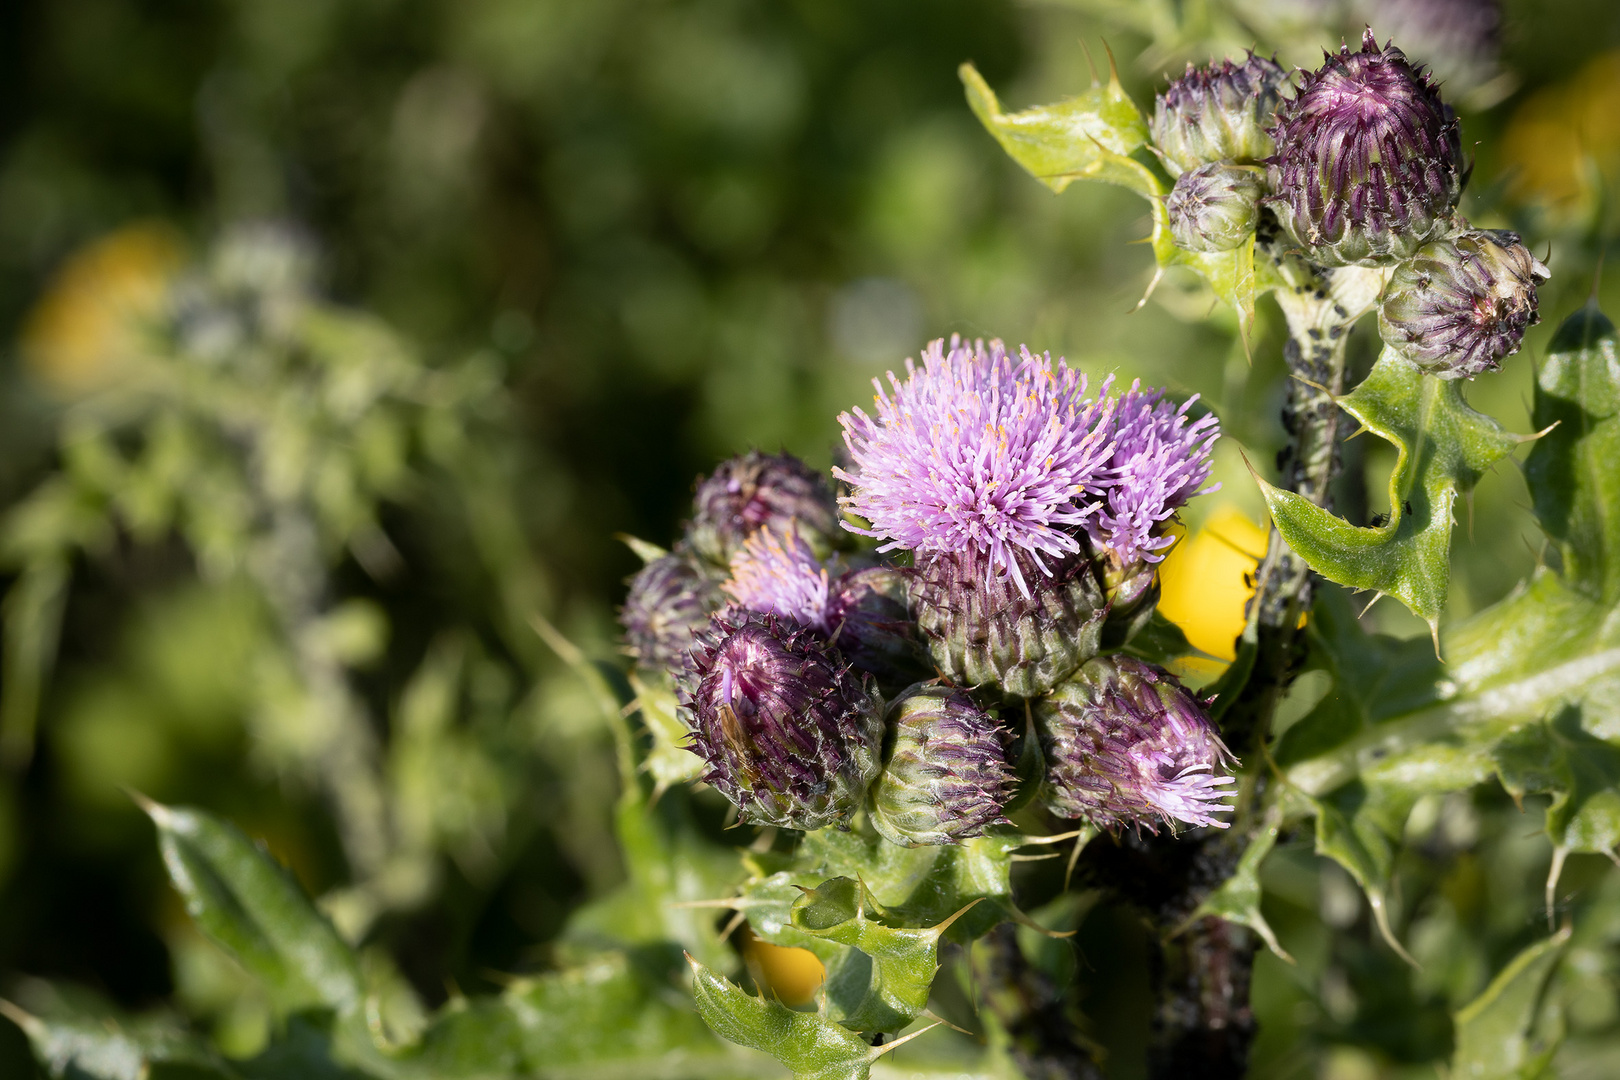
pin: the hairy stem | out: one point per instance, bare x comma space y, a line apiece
1203, 1024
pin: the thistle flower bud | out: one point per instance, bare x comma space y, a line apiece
670, 600
791, 735
983, 630
755, 491
945, 777
1462, 303
1222, 112
1127, 745
869, 620
1368, 166
1214, 207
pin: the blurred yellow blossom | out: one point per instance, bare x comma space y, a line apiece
793, 975
1563, 144
1208, 578
89, 322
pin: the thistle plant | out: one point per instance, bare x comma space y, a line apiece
859, 701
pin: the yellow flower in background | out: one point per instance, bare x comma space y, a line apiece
1563, 144
90, 321
793, 975
1207, 579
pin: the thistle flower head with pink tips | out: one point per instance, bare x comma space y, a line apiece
780, 575
1161, 460
979, 449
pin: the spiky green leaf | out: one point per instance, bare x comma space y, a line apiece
1443, 446
1086, 137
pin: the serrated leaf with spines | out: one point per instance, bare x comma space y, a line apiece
1086, 137
811, 1046
1443, 447
1573, 482
891, 989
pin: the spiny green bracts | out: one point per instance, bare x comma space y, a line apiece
1462, 303
791, 734
982, 630
1221, 112
945, 776
1126, 745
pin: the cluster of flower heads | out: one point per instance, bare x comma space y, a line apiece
1017, 518
1358, 163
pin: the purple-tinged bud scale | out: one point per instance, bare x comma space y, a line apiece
1461, 304
670, 600
945, 776
1368, 166
1214, 207
790, 734
983, 630
869, 619
1222, 112
755, 491
1126, 745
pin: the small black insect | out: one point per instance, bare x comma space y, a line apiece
1406, 507
1380, 520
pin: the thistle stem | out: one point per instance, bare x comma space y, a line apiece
1203, 972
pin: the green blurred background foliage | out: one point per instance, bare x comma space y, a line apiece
638, 235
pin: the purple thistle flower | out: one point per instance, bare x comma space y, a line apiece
1369, 161
1161, 459
755, 491
1127, 745
781, 575
791, 735
979, 451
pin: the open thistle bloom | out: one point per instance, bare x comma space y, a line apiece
979, 452
1214, 207
754, 491
1126, 745
780, 575
945, 778
1369, 161
1160, 460
1221, 112
1462, 303
988, 468
790, 734
671, 599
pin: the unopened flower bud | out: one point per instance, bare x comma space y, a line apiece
1462, 303
1214, 207
791, 735
1221, 112
755, 491
945, 778
1126, 745
983, 630
870, 623
670, 600
1369, 164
